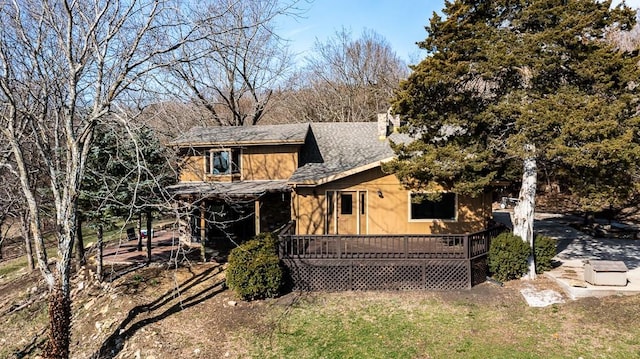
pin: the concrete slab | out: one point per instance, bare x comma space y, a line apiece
570, 276
575, 247
540, 298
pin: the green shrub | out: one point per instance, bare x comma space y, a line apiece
544, 250
508, 256
254, 270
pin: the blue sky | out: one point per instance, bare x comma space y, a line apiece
401, 22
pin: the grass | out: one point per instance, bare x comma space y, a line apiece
485, 322
12, 266
356, 326
18, 329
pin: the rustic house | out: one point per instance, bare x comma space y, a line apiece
325, 179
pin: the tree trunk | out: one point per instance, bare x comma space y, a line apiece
3, 220
524, 211
60, 288
140, 232
80, 260
149, 235
24, 229
100, 246
57, 346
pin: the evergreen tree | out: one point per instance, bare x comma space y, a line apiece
103, 198
125, 176
533, 82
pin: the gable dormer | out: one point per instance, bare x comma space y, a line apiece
240, 153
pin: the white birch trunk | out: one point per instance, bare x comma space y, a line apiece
524, 211
32, 207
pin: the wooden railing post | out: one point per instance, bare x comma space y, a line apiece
406, 247
281, 244
338, 245
466, 246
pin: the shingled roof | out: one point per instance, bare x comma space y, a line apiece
241, 189
337, 149
243, 135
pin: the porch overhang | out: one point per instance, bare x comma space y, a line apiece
319, 174
228, 190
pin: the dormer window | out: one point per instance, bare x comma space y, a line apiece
223, 162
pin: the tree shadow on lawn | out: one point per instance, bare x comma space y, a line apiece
171, 302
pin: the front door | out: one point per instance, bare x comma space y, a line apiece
346, 212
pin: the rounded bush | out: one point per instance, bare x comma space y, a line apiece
508, 255
544, 249
254, 270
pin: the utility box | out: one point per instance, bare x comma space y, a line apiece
597, 272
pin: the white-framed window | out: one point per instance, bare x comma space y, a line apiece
421, 208
223, 162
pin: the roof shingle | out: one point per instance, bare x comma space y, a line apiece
243, 135
343, 147
230, 189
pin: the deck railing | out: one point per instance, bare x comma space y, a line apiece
385, 262
424, 246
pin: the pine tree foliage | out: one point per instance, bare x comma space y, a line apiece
125, 175
504, 75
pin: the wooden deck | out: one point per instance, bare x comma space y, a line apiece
348, 262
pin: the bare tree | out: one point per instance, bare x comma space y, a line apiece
345, 79
231, 75
67, 66
12, 201
9, 203
64, 67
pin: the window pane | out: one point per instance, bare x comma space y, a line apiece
423, 208
221, 162
330, 202
346, 204
329, 227
235, 161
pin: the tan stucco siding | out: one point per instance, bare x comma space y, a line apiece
256, 163
386, 214
308, 210
192, 169
269, 162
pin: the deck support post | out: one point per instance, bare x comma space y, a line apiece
257, 215
467, 250
203, 231
406, 247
